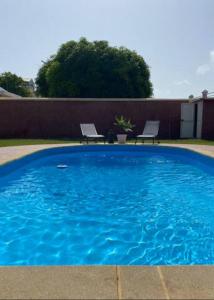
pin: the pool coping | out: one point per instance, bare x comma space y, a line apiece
104, 282
25, 150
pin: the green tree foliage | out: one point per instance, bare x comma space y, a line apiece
14, 84
94, 69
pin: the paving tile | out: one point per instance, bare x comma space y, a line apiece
189, 282
14, 152
140, 283
58, 283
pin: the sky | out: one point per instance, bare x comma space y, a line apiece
175, 37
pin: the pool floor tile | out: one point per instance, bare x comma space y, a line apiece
189, 282
58, 283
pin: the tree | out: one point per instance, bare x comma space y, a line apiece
94, 69
14, 84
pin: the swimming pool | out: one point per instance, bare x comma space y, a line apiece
127, 205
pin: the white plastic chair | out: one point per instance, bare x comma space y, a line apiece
150, 131
89, 132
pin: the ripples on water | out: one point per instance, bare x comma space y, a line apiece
107, 209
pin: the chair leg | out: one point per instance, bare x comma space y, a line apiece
153, 141
87, 140
83, 139
136, 141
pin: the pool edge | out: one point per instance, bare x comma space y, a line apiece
31, 149
107, 282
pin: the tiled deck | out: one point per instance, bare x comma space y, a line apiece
107, 282
15, 152
114, 282
203, 149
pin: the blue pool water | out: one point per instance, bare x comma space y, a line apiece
112, 205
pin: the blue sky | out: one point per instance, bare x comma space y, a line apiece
175, 37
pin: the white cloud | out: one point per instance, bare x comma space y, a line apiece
182, 82
203, 69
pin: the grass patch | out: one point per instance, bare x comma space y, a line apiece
188, 141
21, 142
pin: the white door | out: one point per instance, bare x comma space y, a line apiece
187, 120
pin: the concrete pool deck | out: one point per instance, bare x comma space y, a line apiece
14, 152
103, 282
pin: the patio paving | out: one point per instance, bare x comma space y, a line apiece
203, 149
14, 152
102, 282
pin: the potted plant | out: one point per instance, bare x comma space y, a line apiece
125, 126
